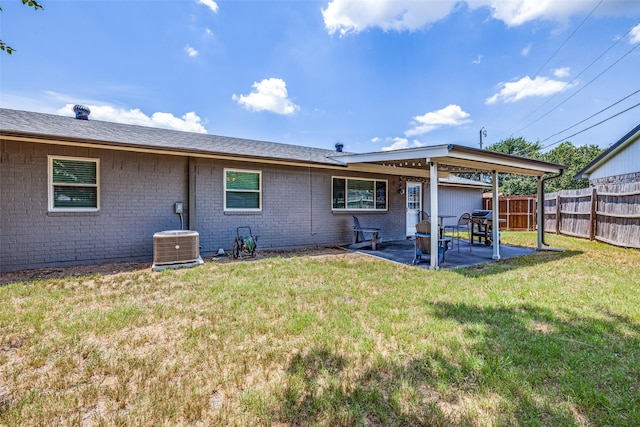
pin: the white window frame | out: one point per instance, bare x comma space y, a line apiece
259, 191
346, 191
52, 185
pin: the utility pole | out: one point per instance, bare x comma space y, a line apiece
483, 132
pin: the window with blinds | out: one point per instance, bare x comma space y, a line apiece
242, 190
358, 194
74, 184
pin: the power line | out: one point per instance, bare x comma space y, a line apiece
591, 116
570, 35
592, 126
553, 55
582, 87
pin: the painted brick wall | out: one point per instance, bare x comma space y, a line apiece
296, 209
138, 192
617, 179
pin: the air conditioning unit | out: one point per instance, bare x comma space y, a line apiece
176, 249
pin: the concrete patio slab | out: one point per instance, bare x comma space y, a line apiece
402, 251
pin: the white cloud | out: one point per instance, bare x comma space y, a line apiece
478, 60
210, 4
451, 115
526, 87
398, 143
354, 16
517, 12
635, 35
269, 95
562, 72
189, 122
191, 51
376, 139
525, 50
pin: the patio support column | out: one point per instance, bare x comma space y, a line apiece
435, 231
540, 213
495, 232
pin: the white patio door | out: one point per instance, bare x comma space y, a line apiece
414, 206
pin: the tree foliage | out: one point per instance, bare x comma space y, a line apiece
513, 185
31, 3
576, 158
517, 147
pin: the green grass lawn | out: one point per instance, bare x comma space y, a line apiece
550, 339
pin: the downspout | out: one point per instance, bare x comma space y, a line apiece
311, 204
191, 194
541, 241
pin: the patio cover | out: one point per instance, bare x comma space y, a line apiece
442, 160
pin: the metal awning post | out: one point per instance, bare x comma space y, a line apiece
435, 232
540, 219
495, 217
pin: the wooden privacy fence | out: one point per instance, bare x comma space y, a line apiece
608, 213
519, 212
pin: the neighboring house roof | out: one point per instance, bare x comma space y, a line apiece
632, 136
61, 128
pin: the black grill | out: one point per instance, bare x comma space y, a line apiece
481, 213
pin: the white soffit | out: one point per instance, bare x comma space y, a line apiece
457, 156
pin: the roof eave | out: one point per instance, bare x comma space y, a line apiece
56, 140
604, 157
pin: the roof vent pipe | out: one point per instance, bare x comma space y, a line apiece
339, 147
82, 112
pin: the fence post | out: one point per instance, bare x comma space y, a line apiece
593, 220
558, 206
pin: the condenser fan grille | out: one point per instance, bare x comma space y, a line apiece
176, 247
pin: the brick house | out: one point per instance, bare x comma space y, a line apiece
85, 191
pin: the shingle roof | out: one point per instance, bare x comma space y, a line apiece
48, 126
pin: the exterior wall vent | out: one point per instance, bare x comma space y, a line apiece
176, 249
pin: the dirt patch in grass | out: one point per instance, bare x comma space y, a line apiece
124, 267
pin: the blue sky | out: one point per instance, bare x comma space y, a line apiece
374, 75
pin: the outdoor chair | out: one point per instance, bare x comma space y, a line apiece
463, 226
422, 243
364, 237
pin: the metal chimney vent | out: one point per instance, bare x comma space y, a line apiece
82, 112
339, 147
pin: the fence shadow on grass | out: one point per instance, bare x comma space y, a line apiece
508, 264
521, 365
